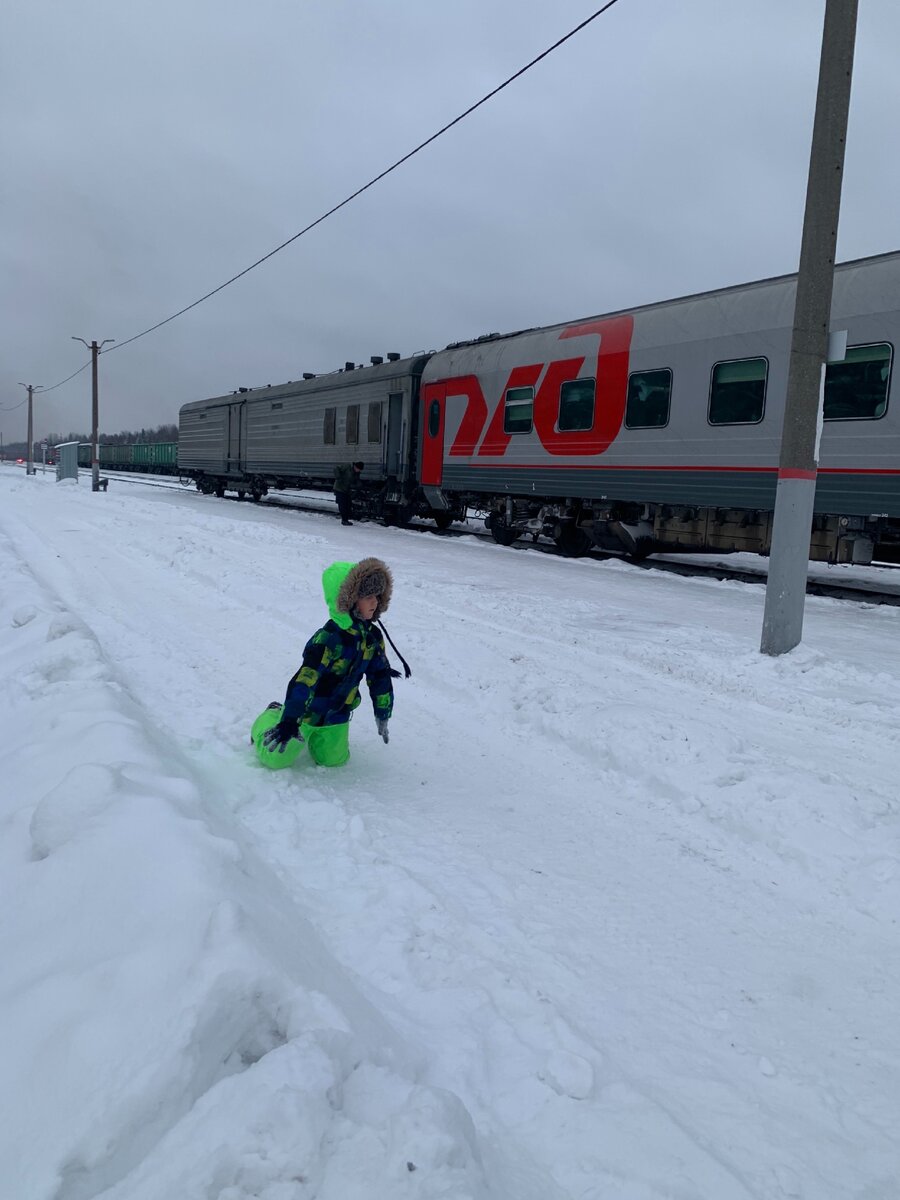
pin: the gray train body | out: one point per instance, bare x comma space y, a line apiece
649, 429
293, 435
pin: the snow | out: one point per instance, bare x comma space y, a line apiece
614, 915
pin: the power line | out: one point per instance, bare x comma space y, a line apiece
54, 386
343, 203
83, 367
359, 191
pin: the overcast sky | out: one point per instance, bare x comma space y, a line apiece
152, 150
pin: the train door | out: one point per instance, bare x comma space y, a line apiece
236, 434
434, 397
395, 459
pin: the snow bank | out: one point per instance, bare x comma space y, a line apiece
614, 914
172, 1026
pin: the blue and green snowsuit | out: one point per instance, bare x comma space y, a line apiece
325, 690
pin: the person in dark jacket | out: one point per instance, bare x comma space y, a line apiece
324, 692
346, 477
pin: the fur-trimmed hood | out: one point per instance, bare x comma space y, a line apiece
341, 583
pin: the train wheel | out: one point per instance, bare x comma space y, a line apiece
241, 493
443, 520
572, 542
643, 548
405, 514
256, 495
503, 534
220, 490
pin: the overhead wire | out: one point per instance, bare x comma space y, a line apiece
53, 387
343, 203
43, 391
359, 191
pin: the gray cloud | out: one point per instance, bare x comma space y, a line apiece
152, 150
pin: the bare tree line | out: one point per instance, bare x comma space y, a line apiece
162, 433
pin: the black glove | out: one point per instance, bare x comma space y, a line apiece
279, 735
381, 724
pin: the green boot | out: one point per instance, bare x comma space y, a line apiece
274, 759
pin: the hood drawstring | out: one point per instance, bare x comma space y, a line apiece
406, 666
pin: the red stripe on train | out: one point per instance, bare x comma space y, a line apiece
552, 466
796, 473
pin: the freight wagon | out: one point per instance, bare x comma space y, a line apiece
157, 458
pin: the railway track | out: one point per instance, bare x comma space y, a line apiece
858, 588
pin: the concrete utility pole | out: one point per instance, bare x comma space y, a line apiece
798, 466
95, 349
29, 459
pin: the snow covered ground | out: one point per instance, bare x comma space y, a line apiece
613, 917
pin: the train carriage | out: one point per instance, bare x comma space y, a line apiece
650, 429
295, 434
661, 427
157, 458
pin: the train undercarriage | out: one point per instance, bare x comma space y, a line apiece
577, 526
638, 530
390, 502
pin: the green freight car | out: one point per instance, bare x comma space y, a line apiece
154, 458
158, 458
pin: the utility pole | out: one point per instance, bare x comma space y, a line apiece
29, 459
95, 349
798, 465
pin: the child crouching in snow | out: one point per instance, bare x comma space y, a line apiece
323, 694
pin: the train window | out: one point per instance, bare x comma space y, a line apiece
737, 393
517, 411
374, 422
434, 418
576, 405
352, 430
856, 389
277, 404
649, 395
328, 431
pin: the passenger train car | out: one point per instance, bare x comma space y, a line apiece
656, 428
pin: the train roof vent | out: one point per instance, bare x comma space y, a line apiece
242, 390
393, 356
309, 374
376, 360
348, 366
